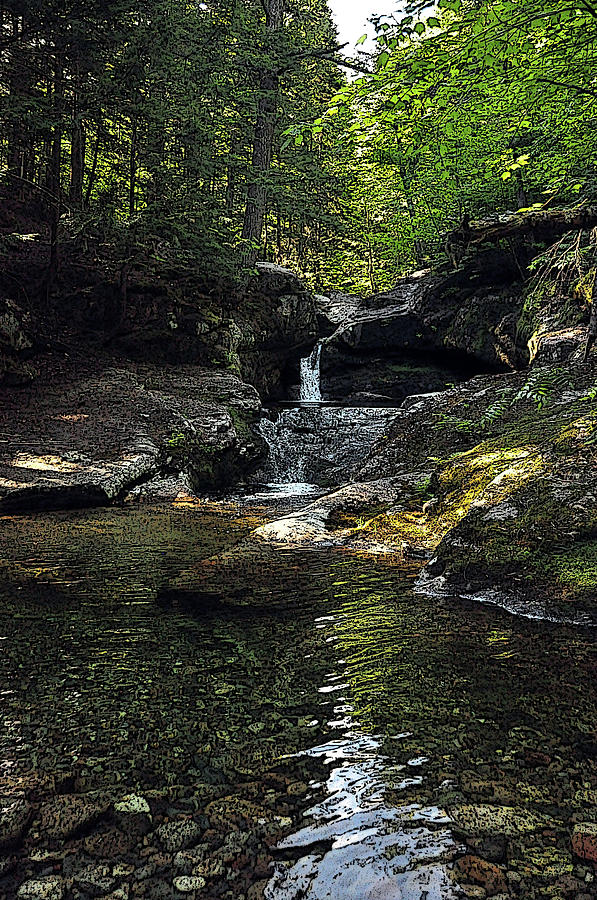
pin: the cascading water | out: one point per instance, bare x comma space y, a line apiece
287, 461
311, 376
314, 443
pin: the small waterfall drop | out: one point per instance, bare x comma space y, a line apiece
311, 376
312, 443
319, 444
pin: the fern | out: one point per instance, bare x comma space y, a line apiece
496, 410
541, 384
538, 389
491, 415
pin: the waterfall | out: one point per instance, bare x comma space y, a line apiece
319, 444
314, 443
311, 375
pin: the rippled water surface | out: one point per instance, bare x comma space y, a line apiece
419, 733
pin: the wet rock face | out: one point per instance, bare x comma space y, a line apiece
512, 517
393, 378
536, 550
274, 327
254, 334
554, 345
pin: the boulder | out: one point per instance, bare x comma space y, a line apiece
15, 326
96, 881
16, 345
328, 519
133, 815
87, 437
176, 836
50, 887
188, 884
501, 820
479, 871
456, 322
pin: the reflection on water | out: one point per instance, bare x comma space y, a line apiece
359, 845
414, 723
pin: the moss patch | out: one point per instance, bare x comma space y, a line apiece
519, 508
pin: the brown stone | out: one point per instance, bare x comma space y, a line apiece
584, 841
479, 871
262, 865
297, 788
15, 816
235, 812
257, 890
69, 815
537, 758
109, 844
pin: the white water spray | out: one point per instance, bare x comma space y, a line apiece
311, 375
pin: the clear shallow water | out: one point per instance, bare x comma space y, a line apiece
407, 719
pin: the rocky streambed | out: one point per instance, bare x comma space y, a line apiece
325, 734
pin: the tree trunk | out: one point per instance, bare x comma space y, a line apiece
370, 254
93, 172
20, 142
412, 213
278, 235
14, 137
231, 170
77, 163
133, 168
54, 172
263, 140
592, 329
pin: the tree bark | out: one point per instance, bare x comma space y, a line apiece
14, 149
263, 139
77, 162
592, 329
370, 254
133, 168
93, 172
20, 82
412, 213
54, 171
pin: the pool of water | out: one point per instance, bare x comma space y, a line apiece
394, 746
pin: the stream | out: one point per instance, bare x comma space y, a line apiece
314, 730
371, 737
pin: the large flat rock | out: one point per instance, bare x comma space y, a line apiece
90, 430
